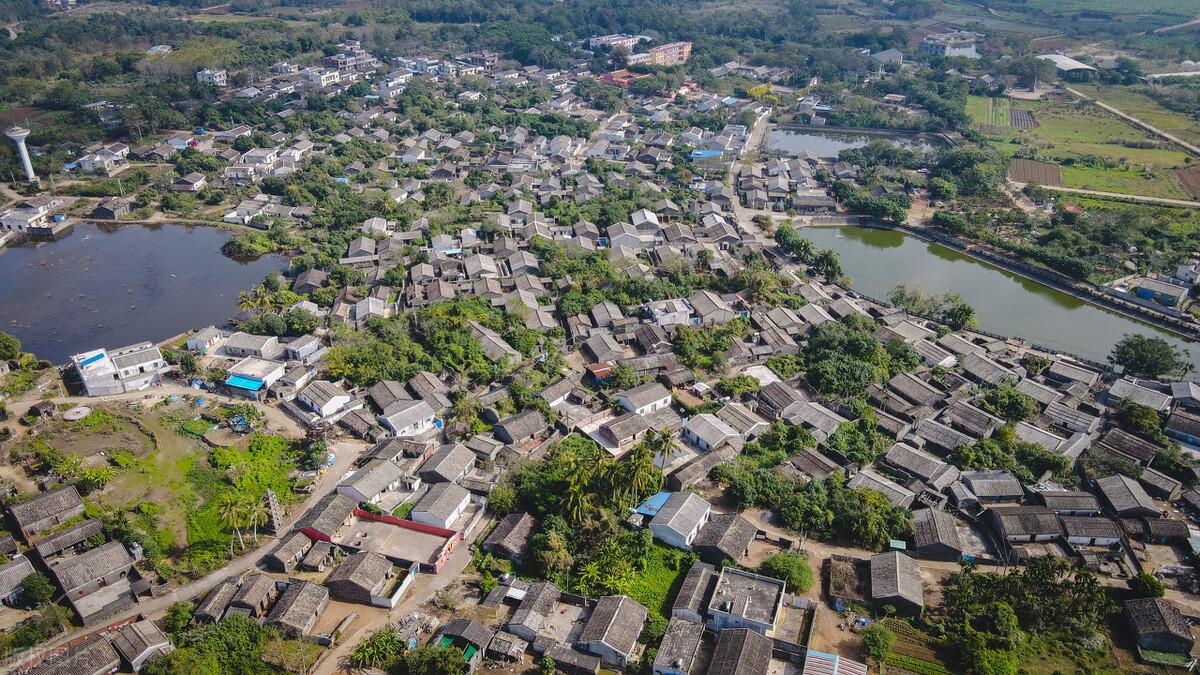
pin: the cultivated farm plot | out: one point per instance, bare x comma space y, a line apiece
991, 115
1190, 180
1141, 102
913, 650
1037, 173
1021, 119
1094, 150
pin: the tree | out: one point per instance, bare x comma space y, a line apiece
737, 386
10, 347
1009, 403
828, 264
431, 660
231, 509
995, 662
179, 616
877, 640
257, 512
960, 316
37, 589
942, 189
1140, 419
1147, 585
378, 650
791, 567
1151, 357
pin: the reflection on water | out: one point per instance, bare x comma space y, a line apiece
112, 286
1007, 304
827, 144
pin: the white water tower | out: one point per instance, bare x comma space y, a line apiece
19, 134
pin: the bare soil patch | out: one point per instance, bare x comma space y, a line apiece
1038, 173
1189, 178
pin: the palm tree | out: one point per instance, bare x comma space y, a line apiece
246, 301
589, 577
639, 469
828, 264
231, 510
257, 513
803, 249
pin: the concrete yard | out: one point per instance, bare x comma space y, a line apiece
391, 541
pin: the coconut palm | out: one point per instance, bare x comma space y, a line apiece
231, 510
257, 514
828, 264
247, 301
639, 470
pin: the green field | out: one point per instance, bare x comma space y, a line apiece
1096, 150
991, 112
1143, 106
1182, 8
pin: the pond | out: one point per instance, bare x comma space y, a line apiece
114, 286
827, 144
878, 260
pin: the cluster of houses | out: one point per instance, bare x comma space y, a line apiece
94, 576
417, 492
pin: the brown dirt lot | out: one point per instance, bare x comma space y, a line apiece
1189, 178
1038, 173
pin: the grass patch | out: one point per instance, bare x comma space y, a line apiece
403, 510
98, 420
1141, 105
1126, 180
659, 580
197, 427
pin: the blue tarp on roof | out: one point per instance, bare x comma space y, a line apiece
704, 154
651, 506
242, 382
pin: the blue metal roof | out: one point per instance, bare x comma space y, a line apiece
242, 382
654, 504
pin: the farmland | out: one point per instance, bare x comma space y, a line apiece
1190, 179
157, 483
1037, 173
990, 112
1095, 150
1140, 103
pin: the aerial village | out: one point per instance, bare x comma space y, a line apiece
601, 407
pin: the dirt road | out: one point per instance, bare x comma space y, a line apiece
277, 421
423, 590
1142, 199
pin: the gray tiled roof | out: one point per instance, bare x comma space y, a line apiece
895, 575
92, 565
934, 527
364, 569
47, 504
296, 604
741, 651
93, 656
616, 621
327, 515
